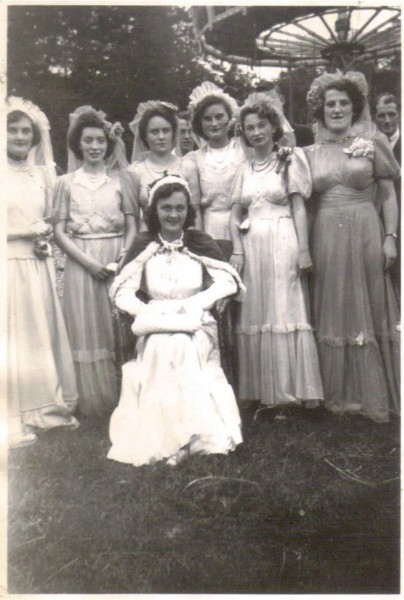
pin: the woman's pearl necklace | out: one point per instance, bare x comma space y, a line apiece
261, 166
219, 152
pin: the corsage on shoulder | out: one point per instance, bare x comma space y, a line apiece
283, 156
360, 147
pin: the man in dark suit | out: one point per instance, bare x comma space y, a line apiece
387, 118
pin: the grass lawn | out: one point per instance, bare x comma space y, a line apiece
307, 504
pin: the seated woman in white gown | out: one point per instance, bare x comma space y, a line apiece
175, 399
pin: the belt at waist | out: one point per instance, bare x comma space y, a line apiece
95, 236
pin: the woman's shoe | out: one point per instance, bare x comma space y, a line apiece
20, 440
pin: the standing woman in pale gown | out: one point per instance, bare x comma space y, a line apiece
94, 219
278, 363
175, 399
41, 383
217, 161
155, 129
354, 309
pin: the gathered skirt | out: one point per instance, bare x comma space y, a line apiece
174, 398
41, 382
88, 314
354, 311
278, 361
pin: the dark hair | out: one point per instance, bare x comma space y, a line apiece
87, 119
353, 92
16, 115
184, 114
165, 191
200, 109
387, 98
264, 110
157, 111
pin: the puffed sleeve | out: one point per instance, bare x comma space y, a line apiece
298, 174
61, 199
130, 205
190, 173
131, 183
385, 165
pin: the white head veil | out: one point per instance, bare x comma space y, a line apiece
42, 153
139, 148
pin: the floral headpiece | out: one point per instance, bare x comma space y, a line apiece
167, 179
207, 88
41, 154
363, 126
138, 147
314, 99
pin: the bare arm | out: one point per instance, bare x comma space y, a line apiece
390, 218
237, 258
300, 221
64, 241
130, 234
191, 175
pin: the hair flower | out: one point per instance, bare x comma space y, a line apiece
360, 147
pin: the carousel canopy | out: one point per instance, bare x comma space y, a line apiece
291, 35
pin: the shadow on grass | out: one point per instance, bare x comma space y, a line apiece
273, 517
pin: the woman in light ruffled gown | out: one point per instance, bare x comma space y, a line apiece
41, 383
175, 399
278, 363
354, 310
93, 219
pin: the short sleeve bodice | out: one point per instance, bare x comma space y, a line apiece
173, 276
216, 175
253, 189
333, 165
26, 196
142, 176
90, 211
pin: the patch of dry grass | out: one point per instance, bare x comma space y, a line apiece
272, 517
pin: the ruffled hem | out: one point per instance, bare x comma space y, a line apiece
361, 380
359, 340
286, 328
279, 368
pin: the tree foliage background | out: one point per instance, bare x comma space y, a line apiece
109, 57
114, 57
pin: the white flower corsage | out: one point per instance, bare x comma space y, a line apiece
244, 225
360, 147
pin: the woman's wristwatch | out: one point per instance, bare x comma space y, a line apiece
393, 235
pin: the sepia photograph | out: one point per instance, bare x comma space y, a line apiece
203, 312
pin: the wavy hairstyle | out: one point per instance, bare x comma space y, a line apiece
200, 108
157, 111
353, 92
163, 192
264, 110
87, 119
